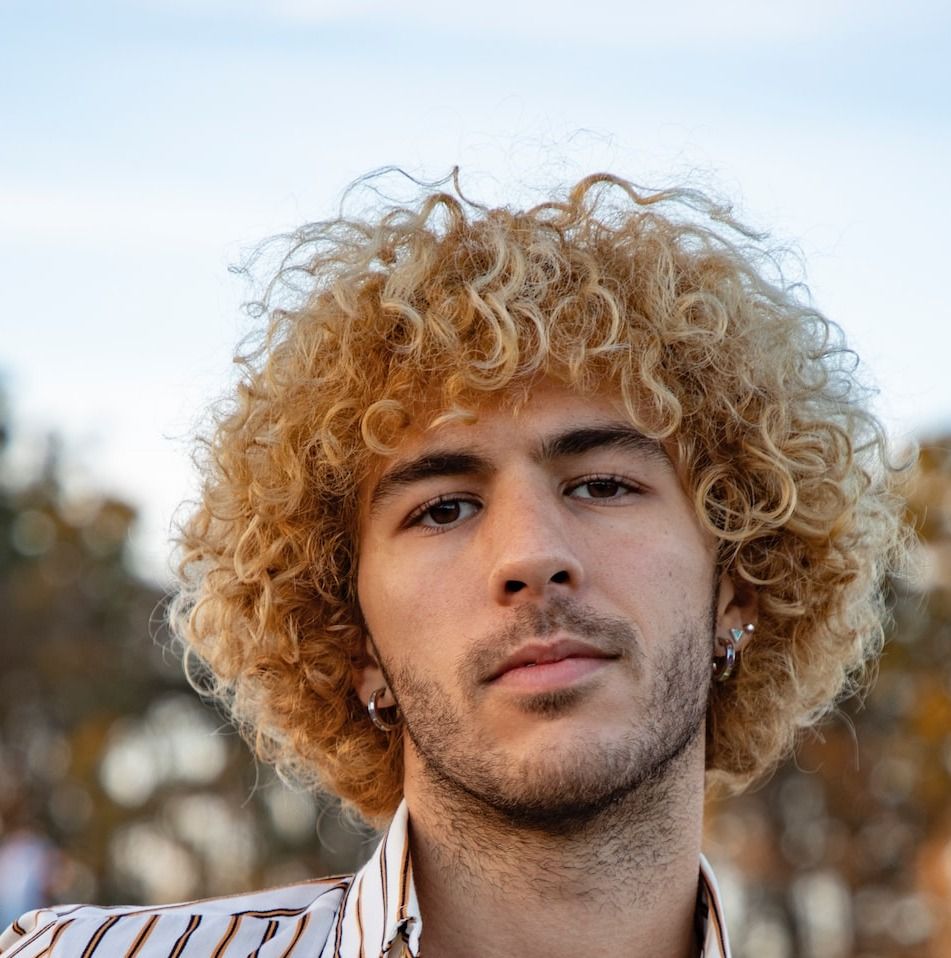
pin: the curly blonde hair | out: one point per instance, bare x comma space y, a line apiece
438, 304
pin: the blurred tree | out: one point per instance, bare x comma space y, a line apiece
846, 851
103, 747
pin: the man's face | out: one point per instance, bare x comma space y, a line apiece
540, 596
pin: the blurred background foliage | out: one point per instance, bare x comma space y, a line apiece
118, 784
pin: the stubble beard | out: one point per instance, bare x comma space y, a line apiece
574, 783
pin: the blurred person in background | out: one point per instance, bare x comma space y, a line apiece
31, 866
524, 530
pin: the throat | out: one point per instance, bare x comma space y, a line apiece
614, 876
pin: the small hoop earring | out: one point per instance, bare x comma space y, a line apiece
375, 717
723, 667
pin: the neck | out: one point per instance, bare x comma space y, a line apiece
623, 881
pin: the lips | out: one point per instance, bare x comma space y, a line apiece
546, 653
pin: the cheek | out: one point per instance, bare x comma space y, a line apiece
374, 591
660, 569
412, 611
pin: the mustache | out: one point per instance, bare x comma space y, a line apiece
609, 635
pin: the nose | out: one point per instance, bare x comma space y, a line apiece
533, 556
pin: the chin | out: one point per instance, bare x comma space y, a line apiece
564, 786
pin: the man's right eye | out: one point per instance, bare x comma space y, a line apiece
442, 513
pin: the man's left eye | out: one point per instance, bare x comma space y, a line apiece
601, 488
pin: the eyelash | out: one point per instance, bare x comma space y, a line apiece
415, 517
626, 484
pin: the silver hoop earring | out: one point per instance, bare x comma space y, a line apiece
723, 667
375, 717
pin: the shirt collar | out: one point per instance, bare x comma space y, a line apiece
379, 914
716, 944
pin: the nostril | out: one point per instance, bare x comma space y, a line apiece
513, 585
560, 578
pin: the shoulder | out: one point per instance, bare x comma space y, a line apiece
294, 919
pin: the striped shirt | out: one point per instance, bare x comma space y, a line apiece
372, 914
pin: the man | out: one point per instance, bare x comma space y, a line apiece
523, 530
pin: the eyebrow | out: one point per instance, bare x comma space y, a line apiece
575, 442
571, 442
431, 465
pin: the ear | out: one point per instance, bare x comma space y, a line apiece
368, 677
737, 607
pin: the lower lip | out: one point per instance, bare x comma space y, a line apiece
549, 675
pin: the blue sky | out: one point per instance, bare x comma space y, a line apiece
148, 144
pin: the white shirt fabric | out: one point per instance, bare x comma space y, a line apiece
372, 914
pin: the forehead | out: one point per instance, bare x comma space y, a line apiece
548, 422
526, 412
